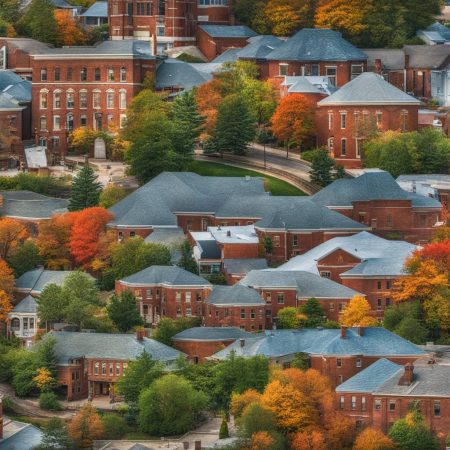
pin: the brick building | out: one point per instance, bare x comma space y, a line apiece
166, 291
199, 343
384, 392
363, 262
314, 88
236, 269
349, 116
375, 199
338, 354
89, 364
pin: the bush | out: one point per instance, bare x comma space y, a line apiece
217, 278
223, 432
49, 401
114, 426
309, 155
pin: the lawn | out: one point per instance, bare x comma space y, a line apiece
273, 185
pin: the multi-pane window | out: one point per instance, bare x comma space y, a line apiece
122, 99
283, 71
117, 368
404, 120
96, 99
69, 122
280, 298
70, 99
57, 100
96, 368
110, 74
325, 274
357, 69
110, 100
187, 297
104, 368
363, 403
330, 120
83, 121
315, 70
358, 362
377, 404
343, 121
295, 240
56, 123
331, 73
353, 402
97, 74
43, 74
69, 74
83, 99
242, 313
379, 304
123, 74
178, 296
338, 362
437, 408
57, 74
391, 405
276, 241
343, 147
161, 7
252, 314
43, 123
43, 100
83, 74
342, 402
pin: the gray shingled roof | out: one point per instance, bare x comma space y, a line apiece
8, 78
376, 341
8, 103
391, 58
427, 56
369, 89
20, 92
306, 284
240, 266
165, 275
302, 85
124, 347
440, 29
209, 249
229, 55
27, 305
211, 334
317, 45
235, 295
19, 436
28, 45
259, 47
228, 31
30, 205
376, 185
173, 73
98, 9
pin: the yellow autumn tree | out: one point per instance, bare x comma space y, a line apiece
86, 426
44, 380
261, 441
284, 16
5, 305
373, 439
357, 313
240, 401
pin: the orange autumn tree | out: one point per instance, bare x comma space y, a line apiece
6, 278
240, 401
373, 439
313, 440
5, 305
340, 431
12, 233
89, 225
86, 426
284, 16
68, 32
209, 96
260, 441
293, 120
357, 313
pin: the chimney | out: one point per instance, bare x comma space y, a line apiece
140, 334
228, 233
242, 342
343, 332
361, 330
153, 45
408, 376
1, 419
406, 61
378, 66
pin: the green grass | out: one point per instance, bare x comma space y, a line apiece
273, 185
138, 436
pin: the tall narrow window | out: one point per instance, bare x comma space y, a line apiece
110, 74
342, 402
97, 74
363, 403
404, 120
96, 100
110, 99
70, 99
331, 73
57, 100
353, 402
437, 408
83, 74
69, 74
69, 122
83, 99
57, 74
43, 123
343, 147
123, 74
43, 99
343, 121
43, 74
330, 120
283, 71
122, 99
56, 123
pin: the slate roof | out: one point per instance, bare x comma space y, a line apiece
240, 266
372, 185
165, 275
306, 284
229, 55
19, 435
304, 86
20, 92
30, 46
391, 58
236, 295
376, 341
7, 103
173, 73
8, 78
124, 347
228, 31
442, 31
98, 9
427, 56
259, 47
369, 89
211, 334
316, 45
26, 306
389, 256
62, 4
30, 205
209, 249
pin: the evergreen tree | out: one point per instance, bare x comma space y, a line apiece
187, 261
122, 310
25, 258
85, 190
223, 432
235, 126
321, 168
340, 172
55, 436
39, 21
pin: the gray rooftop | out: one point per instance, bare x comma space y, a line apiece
236, 295
228, 31
171, 238
211, 334
304, 86
229, 55
428, 56
8, 78
165, 275
209, 250
26, 306
369, 89
173, 73
30, 205
124, 347
242, 266
372, 185
98, 9
312, 44
19, 435
376, 341
259, 47
28, 45
391, 58
442, 31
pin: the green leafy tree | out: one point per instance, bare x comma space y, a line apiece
321, 168
111, 195
55, 436
51, 304
314, 312
49, 401
255, 418
23, 372
39, 21
85, 190
235, 126
9, 11
138, 376
25, 258
199, 375
339, 172
122, 310
167, 328
114, 426
289, 318
170, 406
187, 261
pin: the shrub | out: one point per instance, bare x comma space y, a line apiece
223, 432
114, 426
49, 401
308, 155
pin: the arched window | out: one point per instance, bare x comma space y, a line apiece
69, 122
83, 74
70, 99
122, 99
123, 74
43, 102
110, 74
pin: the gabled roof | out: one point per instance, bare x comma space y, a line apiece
229, 55
27, 305
317, 45
240, 266
173, 73
236, 295
391, 58
98, 9
306, 284
165, 275
427, 56
369, 89
372, 185
228, 31
442, 31
259, 47
211, 334
376, 341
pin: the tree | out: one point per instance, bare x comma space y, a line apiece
5, 305
51, 304
223, 432
289, 318
85, 191
285, 16
25, 258
313, 440
170, 406
39, 21
138, 376
187, 261
167, 328
293, 120
67, 32
357, 313
44, 380
209, 97
255, 418
321, 168
82, 139
373, 439
235, 126
340, 431
122, 310
114, 426
313, 310
261, 441
6, 278
12, 233
86, 426
55, 436
10, 10
111, 195
240, 401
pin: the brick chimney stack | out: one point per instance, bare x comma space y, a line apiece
154, 44
378, 66
140, 334
343, 332
361, 330
408, 376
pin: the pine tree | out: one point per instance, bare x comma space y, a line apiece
39, 21
187, 262
223, 432
235, 126
321, 168
122, 310
85, 190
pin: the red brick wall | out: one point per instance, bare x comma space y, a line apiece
198, 351
17, 60
332, 307
239, 251
212, 47
337, 262
74, 376
230, 316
